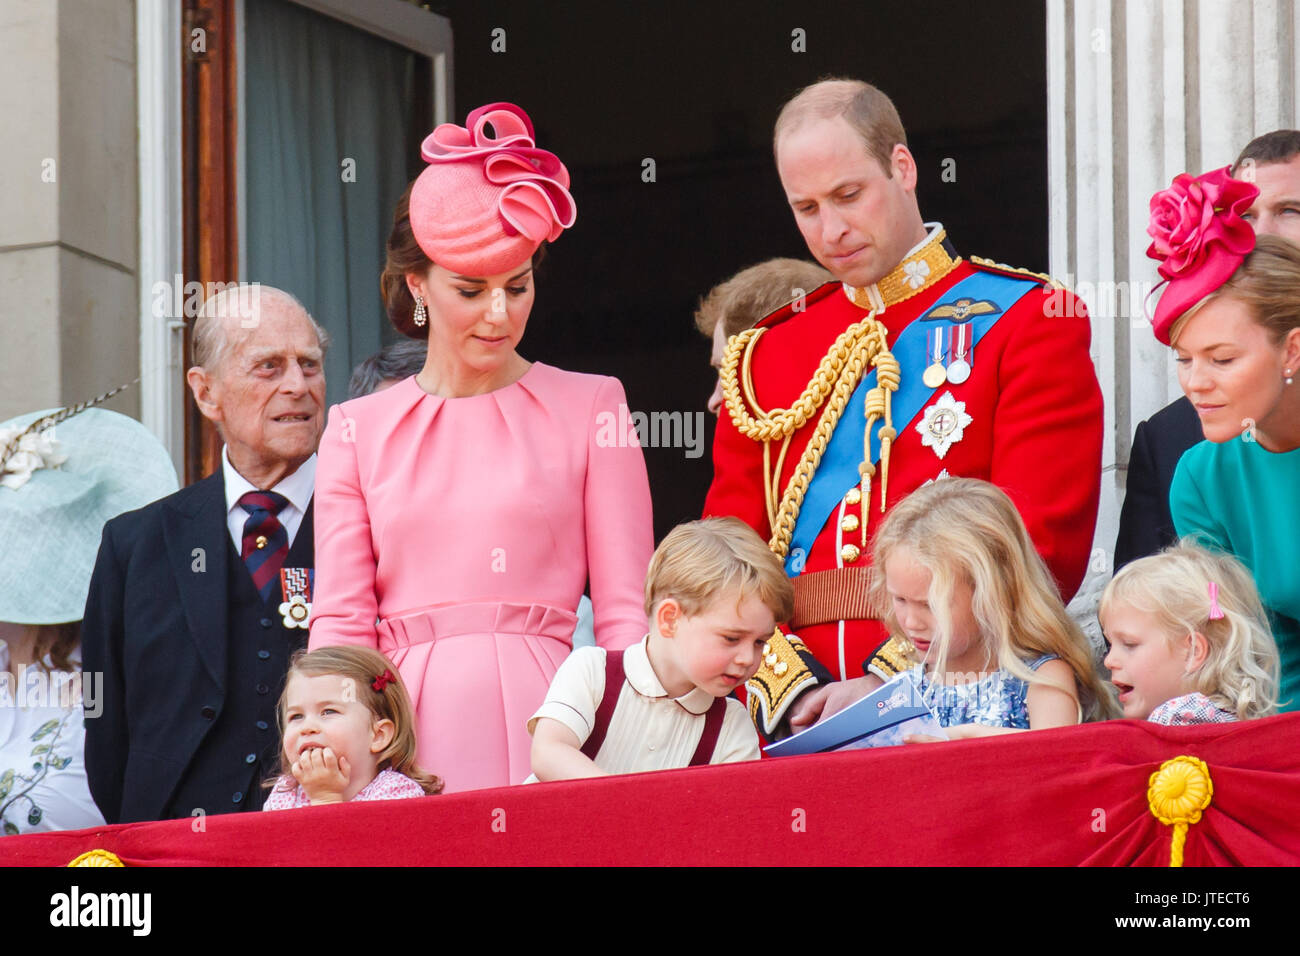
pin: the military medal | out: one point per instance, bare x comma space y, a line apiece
296, 587
959, 367
935, 374
945, 421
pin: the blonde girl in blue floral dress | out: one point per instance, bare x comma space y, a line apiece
964, 589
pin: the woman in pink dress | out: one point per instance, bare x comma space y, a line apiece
461, 512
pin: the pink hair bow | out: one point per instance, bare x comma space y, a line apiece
1216, 612
535, 201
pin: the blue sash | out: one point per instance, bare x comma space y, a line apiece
838, 470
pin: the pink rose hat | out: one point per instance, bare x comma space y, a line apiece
1199, 239
487, 201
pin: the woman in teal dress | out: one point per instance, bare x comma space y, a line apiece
1231, 311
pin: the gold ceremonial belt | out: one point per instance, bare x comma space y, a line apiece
837, 594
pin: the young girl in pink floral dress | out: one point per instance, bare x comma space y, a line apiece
349, 733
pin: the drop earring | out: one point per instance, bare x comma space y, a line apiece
420, 316
1289, 379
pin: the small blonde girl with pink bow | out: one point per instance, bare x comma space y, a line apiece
349, 732
1189, 639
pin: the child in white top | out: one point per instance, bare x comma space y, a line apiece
714, 594
349, 732
1190, 641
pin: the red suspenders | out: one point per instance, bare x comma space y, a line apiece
614, 677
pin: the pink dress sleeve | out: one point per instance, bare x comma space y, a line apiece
619, 521
285, 795
390, 785
344, 607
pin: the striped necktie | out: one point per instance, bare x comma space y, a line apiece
266, 543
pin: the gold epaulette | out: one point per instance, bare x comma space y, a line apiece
780, 677
889, 660
990, 265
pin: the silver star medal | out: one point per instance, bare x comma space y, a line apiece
944, 423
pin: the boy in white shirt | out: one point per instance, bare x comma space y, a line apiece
714, 594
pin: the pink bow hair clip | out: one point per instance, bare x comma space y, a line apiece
1216, 612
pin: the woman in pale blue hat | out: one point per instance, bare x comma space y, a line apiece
63, 474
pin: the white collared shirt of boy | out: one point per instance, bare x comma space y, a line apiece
649, 730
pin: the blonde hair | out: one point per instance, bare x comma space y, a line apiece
865, 108
1267, 282
362, 665
700, 561
1240, 673
967, 530
756, 293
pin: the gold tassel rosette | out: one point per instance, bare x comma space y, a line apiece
97, 858
1177, 794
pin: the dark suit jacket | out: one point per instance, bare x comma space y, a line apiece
156, 628
1145, 523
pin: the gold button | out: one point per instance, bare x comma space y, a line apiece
854, 496
261, 541
849, 523
850, 552
780, 669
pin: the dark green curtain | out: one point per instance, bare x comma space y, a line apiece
329, 120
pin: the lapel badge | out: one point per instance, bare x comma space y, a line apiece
961, 310
945, 421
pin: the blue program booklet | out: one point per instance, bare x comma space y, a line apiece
878, 720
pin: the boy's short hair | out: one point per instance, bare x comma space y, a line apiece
700, 560
755, 293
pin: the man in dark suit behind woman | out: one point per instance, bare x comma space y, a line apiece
192, 614
1271, 162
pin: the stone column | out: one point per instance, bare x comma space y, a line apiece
1139, 91
69, 325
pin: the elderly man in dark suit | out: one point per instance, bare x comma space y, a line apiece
198, 600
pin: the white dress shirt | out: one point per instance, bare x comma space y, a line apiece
296, 488
649, 730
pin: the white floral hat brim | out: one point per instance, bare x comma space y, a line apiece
82, 472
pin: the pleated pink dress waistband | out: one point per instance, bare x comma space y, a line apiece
427, 624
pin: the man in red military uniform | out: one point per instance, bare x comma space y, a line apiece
915, 366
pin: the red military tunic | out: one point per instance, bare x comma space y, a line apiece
1035, 430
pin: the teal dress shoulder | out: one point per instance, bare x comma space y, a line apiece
1242, 498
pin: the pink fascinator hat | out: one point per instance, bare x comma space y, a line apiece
1199, 239
488, 200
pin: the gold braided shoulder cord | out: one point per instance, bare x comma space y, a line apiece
838, 374
1003, 267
